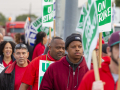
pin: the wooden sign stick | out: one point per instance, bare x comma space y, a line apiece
50, 33
54, 29
95, 65
100, 50
118, 85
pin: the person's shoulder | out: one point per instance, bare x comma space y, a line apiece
1, 58
89, 76
42, 57
83, 59
90, 73
35, 62
83, 63
39, 44
57, 64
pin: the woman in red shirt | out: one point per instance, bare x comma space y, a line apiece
6, 53
41, 40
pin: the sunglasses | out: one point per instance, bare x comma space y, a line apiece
18, 46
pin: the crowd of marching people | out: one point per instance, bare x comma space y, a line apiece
19, 64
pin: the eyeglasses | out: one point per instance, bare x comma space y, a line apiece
19, 46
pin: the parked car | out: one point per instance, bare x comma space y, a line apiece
8, 38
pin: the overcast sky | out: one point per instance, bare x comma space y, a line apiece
13, 8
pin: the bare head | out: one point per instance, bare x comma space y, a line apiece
1, 37
2, 30
57, 48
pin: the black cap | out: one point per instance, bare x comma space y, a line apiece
72, 37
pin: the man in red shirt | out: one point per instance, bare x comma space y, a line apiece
10, 78
67, 73
55, 53
109, 70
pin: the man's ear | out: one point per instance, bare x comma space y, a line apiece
108, 51
43, 38
28, 54
67, 49
49, 47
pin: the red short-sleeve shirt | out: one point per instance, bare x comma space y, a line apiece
31, 74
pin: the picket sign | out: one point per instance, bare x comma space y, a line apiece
54, 9
80, 24
106, 35
104, 15
104, 19
35, 27
26, 28
47, 13
43, 65
90, 30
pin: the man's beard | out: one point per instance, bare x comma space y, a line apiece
114, 60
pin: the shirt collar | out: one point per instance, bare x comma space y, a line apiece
48, 55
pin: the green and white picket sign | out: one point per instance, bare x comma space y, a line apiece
81, 20
104, 15
35, 27
106, 35
47, 13
26, 28
43, 65
54, 9
37, 24
90, 31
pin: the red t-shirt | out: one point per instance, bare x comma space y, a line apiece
105, 76
38, 50
32, 72
5, 65
19, 72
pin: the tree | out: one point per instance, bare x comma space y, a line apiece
24, 16
117, 2
2, 19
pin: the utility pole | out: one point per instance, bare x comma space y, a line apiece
60, 12
71, 17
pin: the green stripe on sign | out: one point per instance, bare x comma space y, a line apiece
48, 13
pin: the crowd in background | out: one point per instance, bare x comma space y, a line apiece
19, 63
